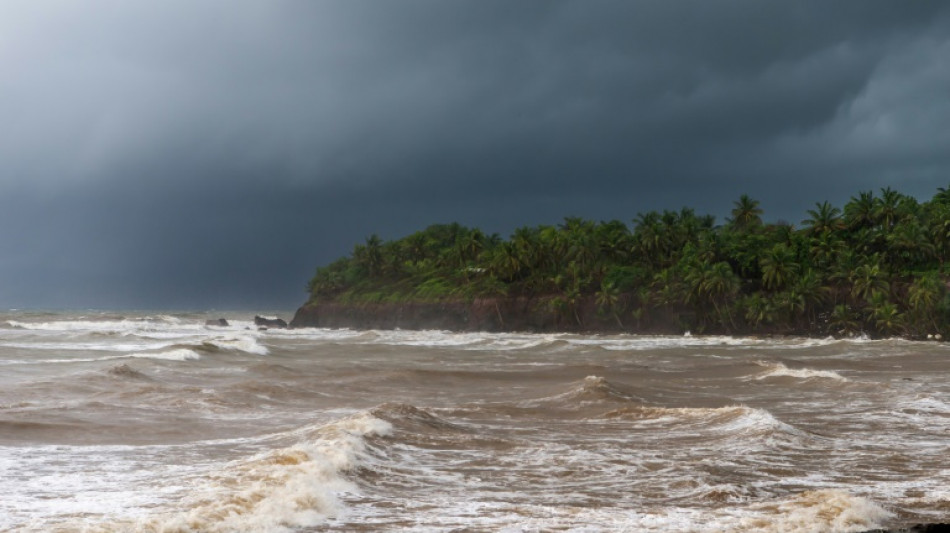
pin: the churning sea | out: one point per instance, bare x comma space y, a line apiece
159, 423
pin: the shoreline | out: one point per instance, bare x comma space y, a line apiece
529, 315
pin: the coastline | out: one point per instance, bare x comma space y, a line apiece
524, 315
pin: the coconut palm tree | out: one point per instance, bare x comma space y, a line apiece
859, 212
843, 321
868, 280
887, 208
825, 219
608, 300
759, 310
923, 296
746, 213
778, 267
888, 320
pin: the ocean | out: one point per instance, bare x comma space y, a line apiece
158, 423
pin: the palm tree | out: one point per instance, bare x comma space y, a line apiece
608, 300
369, 255
843, 320
868, 280
888, 320
505, 261
859, 212
824, 219
887, 208
939, 229
791, 304
825, 248
746, 213
778, 267
721, 284
812, 292
942, 196
758, 310
923, 295
649, 237
908, 243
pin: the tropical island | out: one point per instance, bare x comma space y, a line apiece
877, 266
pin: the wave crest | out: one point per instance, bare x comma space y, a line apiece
281, 489
819, 510
592, 390
775, 370
409, 417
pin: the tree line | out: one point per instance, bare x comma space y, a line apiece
877, 266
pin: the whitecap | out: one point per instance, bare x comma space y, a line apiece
281, 489
179, 354
244, 343
818, 510
780, 370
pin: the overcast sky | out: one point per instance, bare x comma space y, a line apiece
210, 154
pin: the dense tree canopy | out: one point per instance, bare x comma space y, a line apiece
879, 266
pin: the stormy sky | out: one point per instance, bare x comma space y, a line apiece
182, 154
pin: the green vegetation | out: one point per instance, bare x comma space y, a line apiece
878, 266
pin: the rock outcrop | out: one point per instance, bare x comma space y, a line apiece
270, 322
481, 314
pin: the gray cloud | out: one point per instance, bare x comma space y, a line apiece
213, 153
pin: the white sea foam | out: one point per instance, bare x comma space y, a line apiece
825, 510
107, 326
277, 490
758, 420
87, 346
180, 354
780, 370
926, 404
244, 343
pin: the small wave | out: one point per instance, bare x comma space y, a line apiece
759, 421
408, 417
780, 370
737, 421
104, 325
127, 372
271, 369
179, 354
708, 414
594, 389
245, 344
818, 511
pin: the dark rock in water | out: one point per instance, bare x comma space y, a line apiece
917, 528
219, 322
270, 322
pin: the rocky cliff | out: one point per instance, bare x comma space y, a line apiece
485, 314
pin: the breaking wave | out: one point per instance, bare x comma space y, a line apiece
818, 511
278, 490
179, 354
775, 370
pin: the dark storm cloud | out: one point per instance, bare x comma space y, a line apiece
213, 153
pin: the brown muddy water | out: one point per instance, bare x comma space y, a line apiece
139, 422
